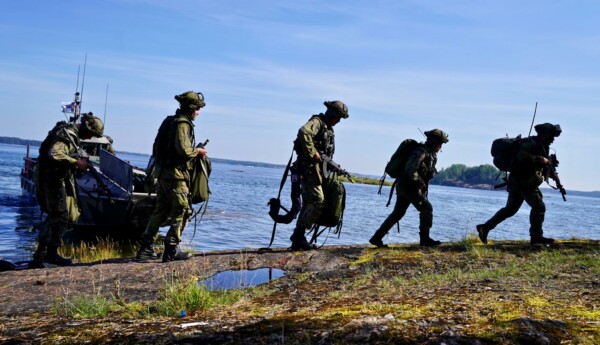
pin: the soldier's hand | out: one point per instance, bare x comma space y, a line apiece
546, 161
82, 164
317, 157
202, 152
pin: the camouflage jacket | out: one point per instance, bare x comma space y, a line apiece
419, 169
314, 136
55, 159
528, 167
180, 150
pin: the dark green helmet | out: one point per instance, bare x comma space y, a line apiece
336, 108
436, 136
191, 100
92, 124
548, 129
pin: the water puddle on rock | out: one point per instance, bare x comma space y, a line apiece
240, 279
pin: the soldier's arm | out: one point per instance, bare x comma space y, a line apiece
183, 142
306, 135
527, 155
60, 152
412, 165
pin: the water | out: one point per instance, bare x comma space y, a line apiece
237, 216
236, 279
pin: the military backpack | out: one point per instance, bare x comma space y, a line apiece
395, 166
335, 202
504, 151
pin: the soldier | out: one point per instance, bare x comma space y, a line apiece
315, 137
174, 150
55, 184
525, 176
412, 187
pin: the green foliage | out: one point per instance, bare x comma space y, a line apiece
483, 174
191, 296
83, 306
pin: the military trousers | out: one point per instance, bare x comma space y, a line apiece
313, 202
516, 196
53, 198
405, 198
172, 209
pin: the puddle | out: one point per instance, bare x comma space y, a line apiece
240, 279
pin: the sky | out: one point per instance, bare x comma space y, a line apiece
474, 69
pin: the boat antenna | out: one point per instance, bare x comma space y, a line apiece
105, 103
83, 78
421, 132
534, 111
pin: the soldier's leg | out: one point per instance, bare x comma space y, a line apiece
422, 204
536, 217
179, 212
158, 217
58, 224
513, 204
399, 211
313, 202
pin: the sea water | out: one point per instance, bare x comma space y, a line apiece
237, 214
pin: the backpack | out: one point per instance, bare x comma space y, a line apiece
504, 150
398, 160
335, 203
199, 180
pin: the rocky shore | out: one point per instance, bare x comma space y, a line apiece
458, 293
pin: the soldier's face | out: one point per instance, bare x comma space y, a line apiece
437, 148
335, 120
195, 114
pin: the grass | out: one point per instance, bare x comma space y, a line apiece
100, 249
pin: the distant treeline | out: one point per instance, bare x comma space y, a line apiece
19, 141
459, 175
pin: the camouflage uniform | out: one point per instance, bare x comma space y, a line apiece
315, 136
525, 177
411, 188
173, 167
55, 184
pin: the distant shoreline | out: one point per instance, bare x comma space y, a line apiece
365, 179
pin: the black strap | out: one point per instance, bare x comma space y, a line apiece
281, 184
391, 193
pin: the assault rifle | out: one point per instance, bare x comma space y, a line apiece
329, 163
552, 173
81, 154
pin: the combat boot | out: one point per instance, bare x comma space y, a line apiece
38, 257
299, 241
541, 240
426, 241
52, 257
483, 233
173, 252
146, 252
377, 239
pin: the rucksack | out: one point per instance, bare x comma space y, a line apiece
504, 151
335, 203
398, 160
199, 180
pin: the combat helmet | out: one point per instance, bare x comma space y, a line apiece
436, 136
92, 124
548, 129
191, 100
336, 108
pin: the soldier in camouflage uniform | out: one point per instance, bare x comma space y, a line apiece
411, 188
175, 157
55, 184
525, 176
315, 137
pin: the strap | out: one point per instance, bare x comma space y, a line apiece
281, 184
391, 193
381, 182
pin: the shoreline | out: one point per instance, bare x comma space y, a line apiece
460, 292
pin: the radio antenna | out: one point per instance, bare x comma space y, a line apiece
532, 120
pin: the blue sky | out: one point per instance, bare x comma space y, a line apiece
472, 68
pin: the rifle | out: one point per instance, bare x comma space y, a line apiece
335, 167
81, 154
552, 173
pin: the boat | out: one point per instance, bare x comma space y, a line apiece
112, 198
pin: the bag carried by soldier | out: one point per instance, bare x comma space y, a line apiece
398, 160
199, 180
504, 151
333, 211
